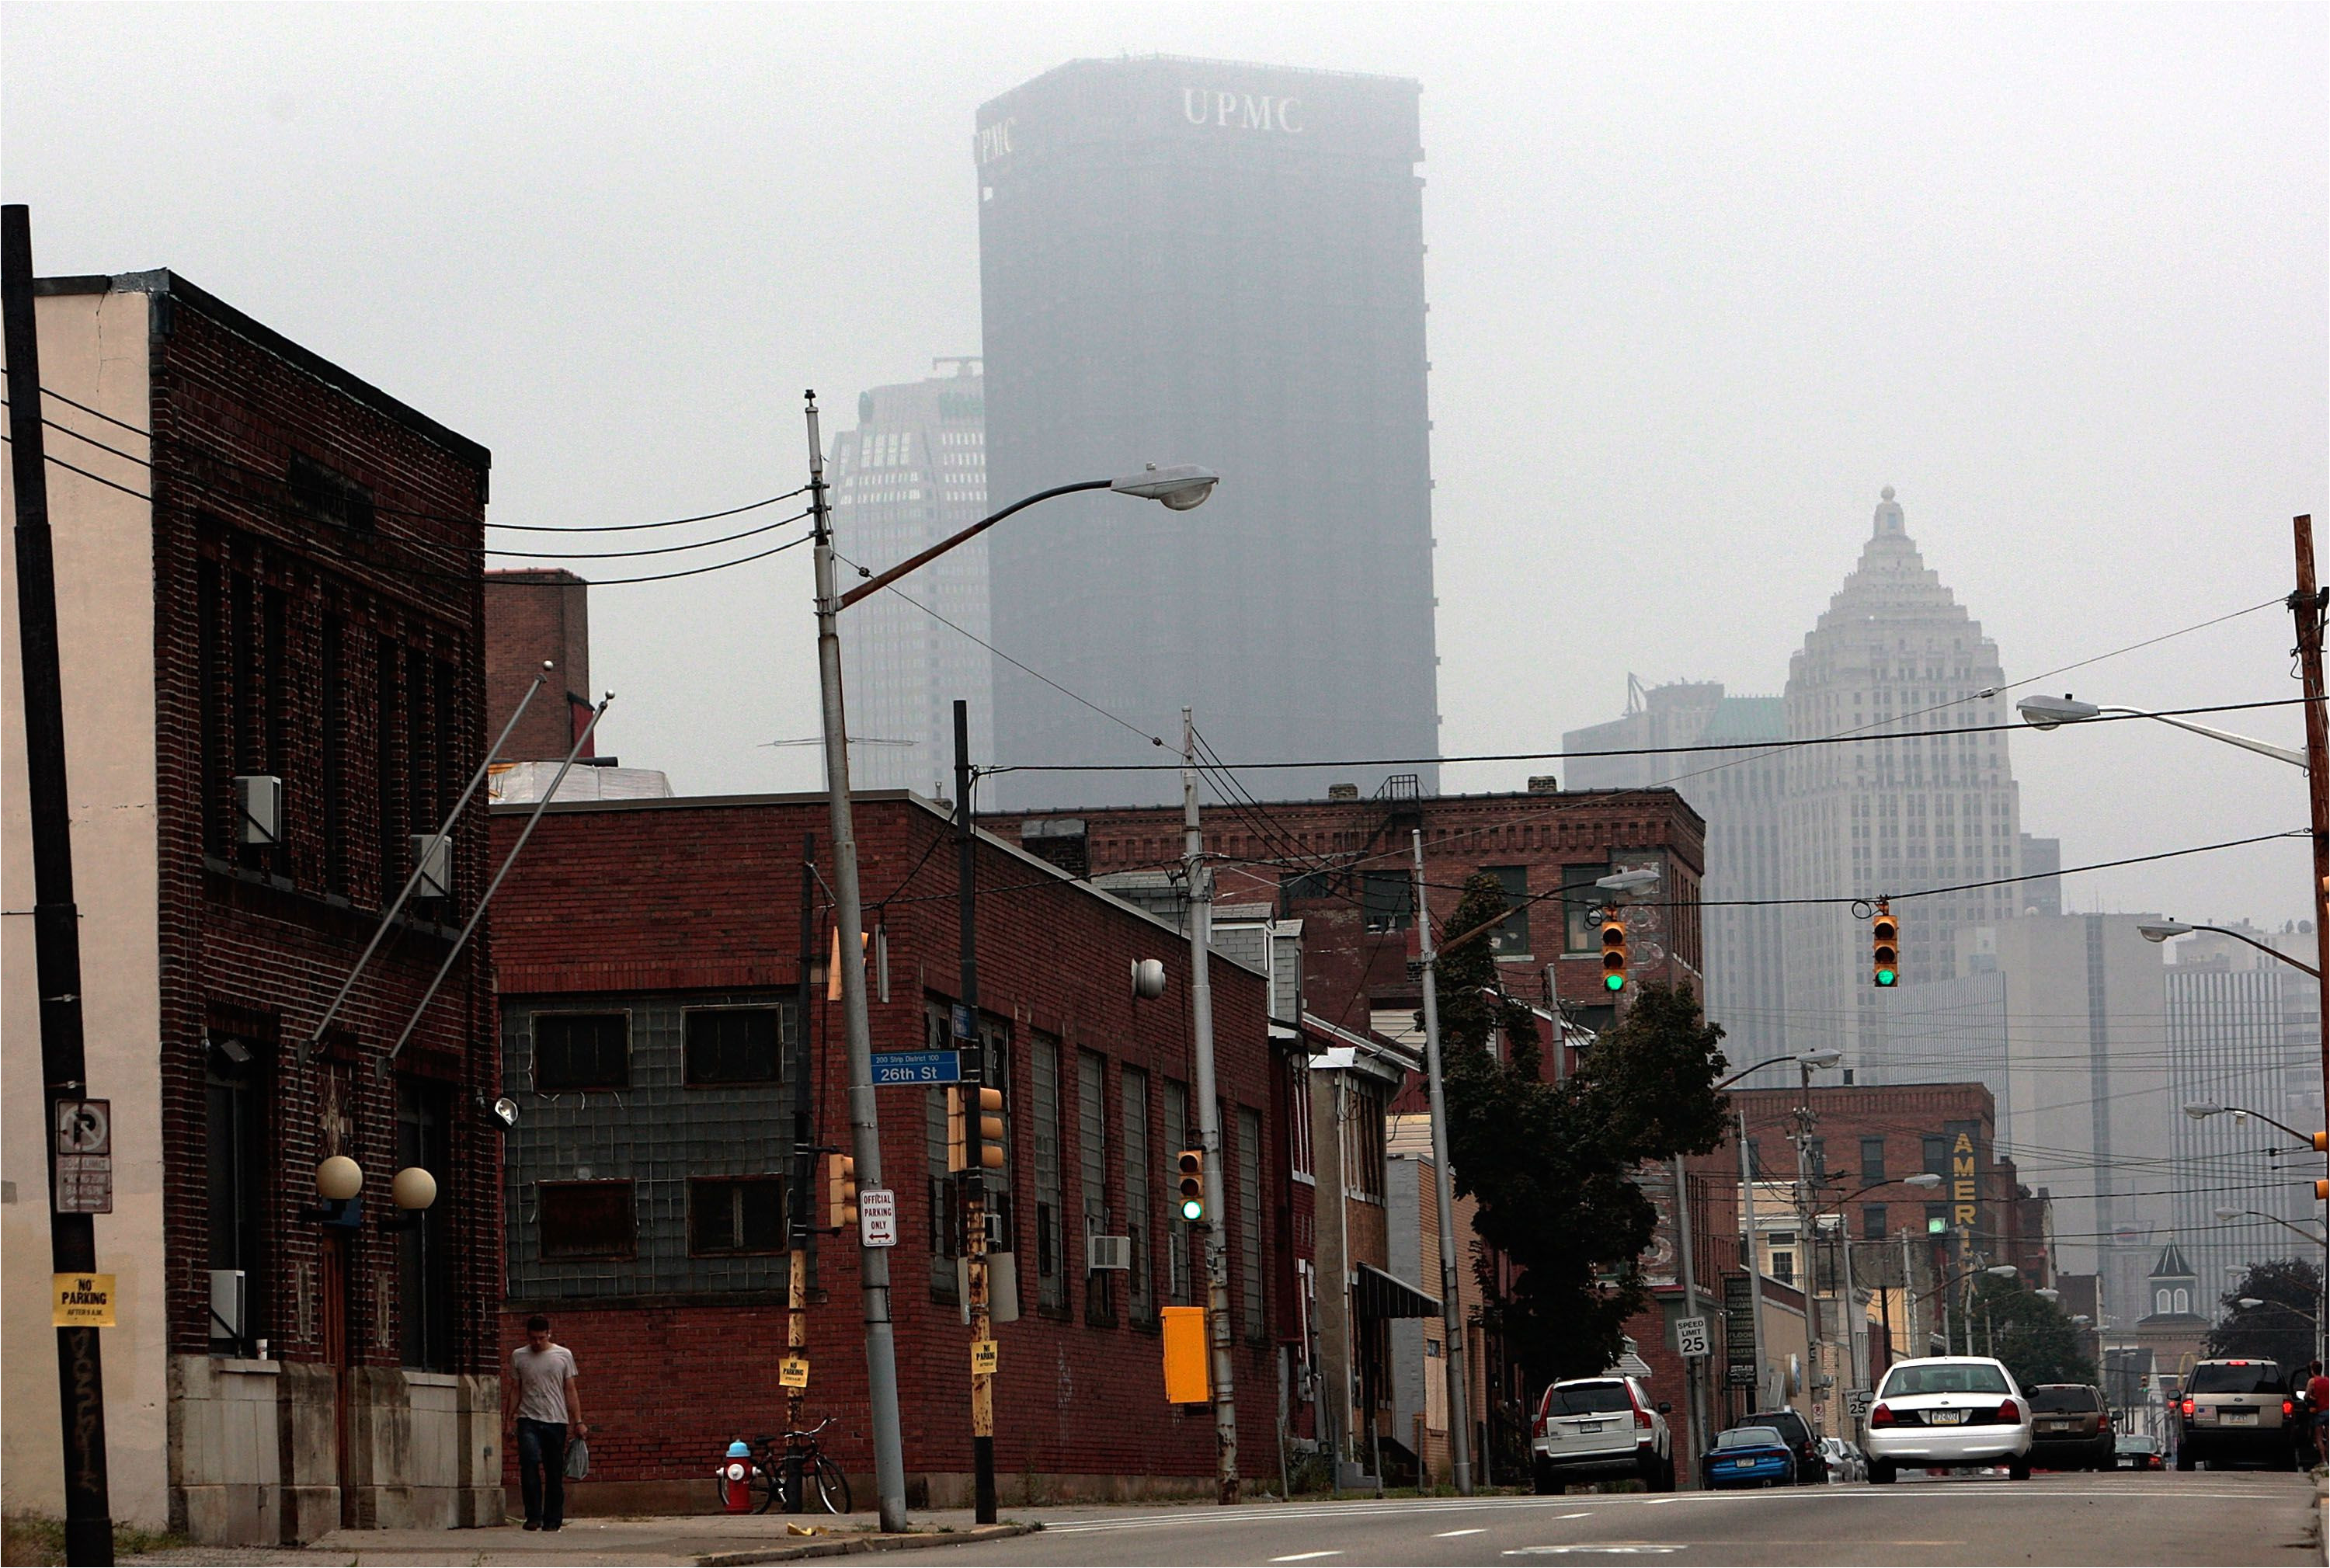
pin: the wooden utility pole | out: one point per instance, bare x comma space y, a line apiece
970, 1099
56, 919
2305, 605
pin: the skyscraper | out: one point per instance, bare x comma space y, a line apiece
913, 471
1188, 260
1893, 654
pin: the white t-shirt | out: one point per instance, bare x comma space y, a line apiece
542, 1382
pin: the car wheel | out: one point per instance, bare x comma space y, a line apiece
2185, 1458
1542, 1474
2019, 1469
1880, 1472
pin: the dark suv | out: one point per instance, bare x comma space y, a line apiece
1796, 1432
2234, 1410
2070, 1429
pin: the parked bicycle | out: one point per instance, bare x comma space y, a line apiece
824, 1486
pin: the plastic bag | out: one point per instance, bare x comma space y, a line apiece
578, 1458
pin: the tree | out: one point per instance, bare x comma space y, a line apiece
1552, 1165
2035, 1337
2281, 1328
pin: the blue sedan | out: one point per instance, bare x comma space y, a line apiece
1750, 1456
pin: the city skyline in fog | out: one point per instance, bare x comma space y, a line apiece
1700, 283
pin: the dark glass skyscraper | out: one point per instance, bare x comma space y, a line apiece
1186, 260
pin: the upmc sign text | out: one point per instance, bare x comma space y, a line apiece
1242, 111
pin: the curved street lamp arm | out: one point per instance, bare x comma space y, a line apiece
2259, 946
2286, 1224
883, 579
1759, 1067
2306, 1139
2279, 753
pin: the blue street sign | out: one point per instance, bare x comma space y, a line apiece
966, 1028
891, 1068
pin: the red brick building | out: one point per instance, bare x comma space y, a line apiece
267, 572
650, 962
534, 614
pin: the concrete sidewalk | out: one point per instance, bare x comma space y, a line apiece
684, 1541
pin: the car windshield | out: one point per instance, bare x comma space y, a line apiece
2134, 1443
1751, 1437
2056, 1400
1944, 1377
1780, 1420
2236, 1378
1590, 1399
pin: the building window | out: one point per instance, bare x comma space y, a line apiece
2183, 1299
581, 1050
1363, 1144
235, 1101
1298, 1118
425, 1286
940, 1107
333, 744
1249, 1212
735, 1214
1132, 1091
1514, 935
1872, 1222
587, 1219
387, 777
1938, 1219
1044, 1098
2160, 1302
1178, 1138
1872, 1159
1389, 901
1091, 1158
732, 1044
1580, 935
1935, 1152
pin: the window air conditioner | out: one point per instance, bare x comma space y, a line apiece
1106, 1252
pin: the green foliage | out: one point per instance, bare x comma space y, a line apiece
1550, 1165
2034, 1336
2282, 1329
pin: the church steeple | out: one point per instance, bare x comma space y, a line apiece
2176, 1288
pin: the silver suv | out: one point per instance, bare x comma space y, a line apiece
1597, 1428
2235, 1410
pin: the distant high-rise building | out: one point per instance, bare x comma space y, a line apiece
1893, 654
1738, 793
913, 471
1190, 260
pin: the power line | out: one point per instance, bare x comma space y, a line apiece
656, 550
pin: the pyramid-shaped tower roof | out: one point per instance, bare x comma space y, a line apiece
2172, 1264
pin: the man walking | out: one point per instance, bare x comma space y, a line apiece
2317, 1411
548, 1404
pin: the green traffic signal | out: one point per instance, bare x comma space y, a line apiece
1886, 977
1193, 1208
1614, 982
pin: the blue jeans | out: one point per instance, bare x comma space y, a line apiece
542, 1471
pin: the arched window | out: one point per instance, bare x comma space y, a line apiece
2160, 1301
2183, 1300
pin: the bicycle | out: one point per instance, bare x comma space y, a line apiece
823, 1479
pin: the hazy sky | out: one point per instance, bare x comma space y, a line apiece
1702, 279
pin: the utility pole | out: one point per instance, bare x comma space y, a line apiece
1815, 1344
2306, 606
1755, 1262
849, 918
1856, 1356
1209, 1119
56, 917
805, 1172
1909, 1308
974, 1142
1694, 1419
1452, 1310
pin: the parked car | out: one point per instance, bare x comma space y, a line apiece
1949, 1411
1750, 1455
2136, 1451
1596, 1428
2235, 1411
1797, 1432
1843, 1460
2070, 1427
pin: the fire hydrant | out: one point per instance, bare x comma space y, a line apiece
735, 1475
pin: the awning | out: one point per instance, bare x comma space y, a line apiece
1381, 1296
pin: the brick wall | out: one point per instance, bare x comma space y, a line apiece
533, 615
682, 896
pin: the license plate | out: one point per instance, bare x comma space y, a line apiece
1590, 1426
2241, 1417
1946, 1417
2055, 1426
1743, 1464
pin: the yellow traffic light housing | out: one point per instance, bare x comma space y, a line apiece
840, 1190
988, 1129
1884, 948
1192, 1163
1613, 954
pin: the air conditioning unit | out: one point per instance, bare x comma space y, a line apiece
228, 1304
258, 808
432, 859
1105, 1252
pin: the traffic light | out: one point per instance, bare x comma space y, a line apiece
2321, 1192
2322, 1143
988, 1131
1192, 1198
840, 1190
1613, 953
1884, 948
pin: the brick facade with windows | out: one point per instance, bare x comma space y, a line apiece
652, 909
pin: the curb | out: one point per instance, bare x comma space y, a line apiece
847, 1545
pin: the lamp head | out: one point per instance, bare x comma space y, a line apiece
504, 1110
2048, 1293
2161, 930
1821, 1056
1640, 878
2081, 1318
1180, 486
2002, 1270
2048, 712
1925, 1180
2248, 1303
2201, 1110
2227, 1213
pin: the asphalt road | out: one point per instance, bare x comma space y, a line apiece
2163, 1517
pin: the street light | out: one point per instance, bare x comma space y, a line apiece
2053, 713
2251, 1303
2201, 1109
1179, 487
2167, 930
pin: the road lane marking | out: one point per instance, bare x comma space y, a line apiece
1448, 1534
1304, 1557
1613, 1548
1577, 1516
1355, 1509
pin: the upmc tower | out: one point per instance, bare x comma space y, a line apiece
1184, 260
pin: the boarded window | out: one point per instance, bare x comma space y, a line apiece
737, 1214
581, 1050
731, 1045
587, 1220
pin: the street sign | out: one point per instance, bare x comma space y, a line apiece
965, 1023
914, 1069
1856, 1401
1690, 1336
982, 1355
877, 1217
792, 1372
84, 1157
83, 1301
1738, 1333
